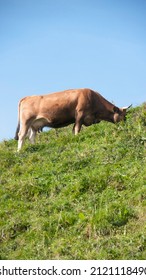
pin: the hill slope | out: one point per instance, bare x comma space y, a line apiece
80, 197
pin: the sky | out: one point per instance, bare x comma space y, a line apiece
53, 45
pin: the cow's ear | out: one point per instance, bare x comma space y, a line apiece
116, 109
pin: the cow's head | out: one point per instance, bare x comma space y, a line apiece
120, 113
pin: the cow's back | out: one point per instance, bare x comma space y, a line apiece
54, 102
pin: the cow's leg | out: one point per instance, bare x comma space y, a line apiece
78, 123
32, 134
22, 135
77, 127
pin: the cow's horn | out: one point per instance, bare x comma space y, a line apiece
125, 108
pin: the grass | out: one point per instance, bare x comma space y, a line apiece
76, 197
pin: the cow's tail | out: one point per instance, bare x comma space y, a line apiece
18, 126
17, 131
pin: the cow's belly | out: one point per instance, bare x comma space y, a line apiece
52, 122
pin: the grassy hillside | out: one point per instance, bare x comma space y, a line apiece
76, 197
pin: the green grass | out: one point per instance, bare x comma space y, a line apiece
76, 197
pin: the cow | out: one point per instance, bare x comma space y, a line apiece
60, 109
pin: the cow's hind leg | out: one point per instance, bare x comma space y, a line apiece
22, 135
31, 135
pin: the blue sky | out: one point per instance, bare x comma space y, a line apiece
52, 45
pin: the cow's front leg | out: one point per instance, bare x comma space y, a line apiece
76, 128
78, 123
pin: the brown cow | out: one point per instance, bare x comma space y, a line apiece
78, 106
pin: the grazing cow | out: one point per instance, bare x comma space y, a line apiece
78, 106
